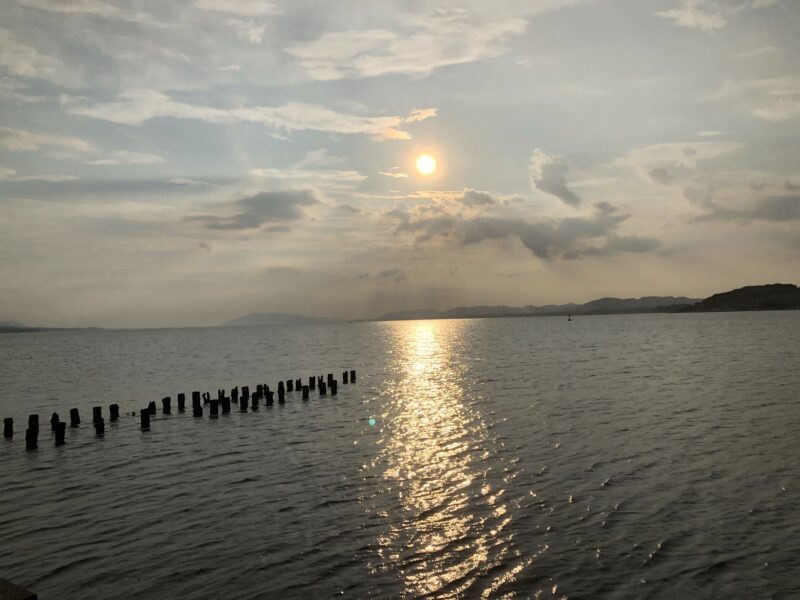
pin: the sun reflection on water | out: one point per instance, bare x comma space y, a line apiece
454, 526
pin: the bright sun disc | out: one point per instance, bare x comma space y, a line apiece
426, 164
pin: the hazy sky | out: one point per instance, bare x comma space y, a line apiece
187, 162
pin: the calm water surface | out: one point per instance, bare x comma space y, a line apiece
648, 456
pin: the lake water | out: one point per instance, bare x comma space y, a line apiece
641, 456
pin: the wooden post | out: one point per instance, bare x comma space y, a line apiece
305, 392
226, 406
323, 391
206, 397
97, 413
54, 420
243, 403
181, 402
270, 398
166, 407
214, 409
61, 430
8, 427
312, 382
334, 385
260, 390
195, 398
33, 422
344, 378
9, 591
330, 378
197, 408
352, 375
289, 385
74, 417
281, 394
246, 392
113, 412
144, 415
254, 401
152, 407
235, 394
31, 439
100, 426
298, 384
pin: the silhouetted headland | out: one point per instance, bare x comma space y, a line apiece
775, 296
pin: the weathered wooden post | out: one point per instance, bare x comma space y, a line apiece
181, 402
152, 407
320, 380
330, 378
97, 413
54, 421
254, 401
298, 384
311, 382
206, 397
334, 386
8, 427
166, 405
243, 403
74, 417
344, 377
33, 422
281, 393
270, 398
99, 426
214, 413
144, 415
31, 438
305, 392
260, 390
246, 392
323, 390
226, 406
235, 394
197, 408
289, 385
113, 412
195, 398
352, 375
61, 430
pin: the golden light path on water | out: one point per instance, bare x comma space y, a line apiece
455, 526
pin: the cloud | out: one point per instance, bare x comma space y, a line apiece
10, 175
124, 157
772, 208
660, 162
26, 61
474, 198
548, 175
568, 238
261, 208
710, 15
18, 140
424, 45
241, 8
304, 174
135, 108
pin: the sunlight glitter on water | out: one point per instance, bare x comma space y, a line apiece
453, 529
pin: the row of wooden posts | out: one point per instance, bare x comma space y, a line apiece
222, 403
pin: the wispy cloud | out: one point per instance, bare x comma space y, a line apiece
422, 47
18, 140
264, 207
11, 176
709, 15
124, 157
134, 108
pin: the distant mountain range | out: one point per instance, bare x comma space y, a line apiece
595, 307
274, 318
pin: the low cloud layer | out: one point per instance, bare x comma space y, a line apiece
261, 208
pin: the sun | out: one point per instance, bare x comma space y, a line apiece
426, 164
